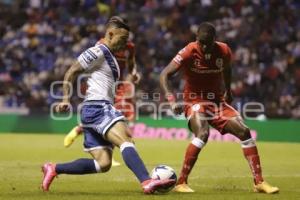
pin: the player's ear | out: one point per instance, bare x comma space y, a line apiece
110, 35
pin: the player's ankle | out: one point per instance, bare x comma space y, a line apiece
78, 130
54, 168
181, 181
258, 181
145, 182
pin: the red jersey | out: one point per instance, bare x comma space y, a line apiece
123, 58
203, 73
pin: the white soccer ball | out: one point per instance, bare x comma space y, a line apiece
162, 172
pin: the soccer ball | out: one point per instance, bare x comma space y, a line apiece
164, 172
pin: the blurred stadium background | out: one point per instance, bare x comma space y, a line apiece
41, 38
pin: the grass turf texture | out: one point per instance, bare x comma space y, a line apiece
220, 173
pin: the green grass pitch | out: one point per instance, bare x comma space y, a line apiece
220, 173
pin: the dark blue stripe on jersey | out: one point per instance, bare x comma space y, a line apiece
110, 60
85, 59
92, 54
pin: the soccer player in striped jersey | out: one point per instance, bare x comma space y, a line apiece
103, 125
124, 98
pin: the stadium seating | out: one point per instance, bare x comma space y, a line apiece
40, 39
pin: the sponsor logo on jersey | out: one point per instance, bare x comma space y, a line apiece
197, 63
207, 56
219, 62
89, 56
206, 71
201, 69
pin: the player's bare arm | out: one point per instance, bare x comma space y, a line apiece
69, 78
227, 80
135, 77
170, 70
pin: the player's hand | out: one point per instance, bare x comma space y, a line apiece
63, 106
228, 96
176, 108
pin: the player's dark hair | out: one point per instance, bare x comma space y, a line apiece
206, 32
118, 22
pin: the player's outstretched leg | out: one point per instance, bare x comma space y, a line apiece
119, 135
72, 135
80, 166
237, 128
190, 158
200, 129
252, 156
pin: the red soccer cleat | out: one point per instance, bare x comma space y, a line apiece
49, 174
152, 185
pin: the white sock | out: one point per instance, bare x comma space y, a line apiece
198, 143
248, 143
97, 166
125, 145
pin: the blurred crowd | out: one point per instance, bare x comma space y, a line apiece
41, 38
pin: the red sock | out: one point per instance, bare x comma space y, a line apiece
251, 154
190, 159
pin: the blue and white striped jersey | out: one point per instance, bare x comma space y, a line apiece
100, 63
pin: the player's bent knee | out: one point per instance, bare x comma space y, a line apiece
204, 137
243, 134
105, 168
202, 134
105, 165
247, 132
200, 129
119, 134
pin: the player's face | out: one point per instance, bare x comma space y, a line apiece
207, 44
119, 39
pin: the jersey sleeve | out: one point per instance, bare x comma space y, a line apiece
91, 57
182, 56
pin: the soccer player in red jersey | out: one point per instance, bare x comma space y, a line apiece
124, 98
206, 67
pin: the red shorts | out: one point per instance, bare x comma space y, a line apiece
216, 114
124, 101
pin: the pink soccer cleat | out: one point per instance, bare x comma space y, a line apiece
49, 174
152, 185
